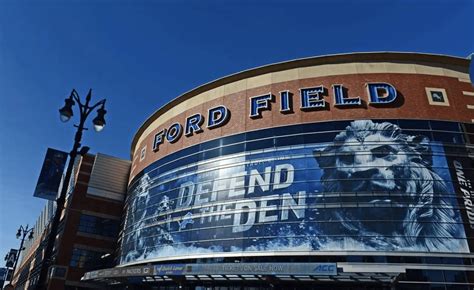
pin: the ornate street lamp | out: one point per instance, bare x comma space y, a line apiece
22, 232
65, 114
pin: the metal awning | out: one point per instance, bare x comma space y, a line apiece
232, 272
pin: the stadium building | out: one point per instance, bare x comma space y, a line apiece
348, 171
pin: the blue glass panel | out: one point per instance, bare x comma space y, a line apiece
445, 126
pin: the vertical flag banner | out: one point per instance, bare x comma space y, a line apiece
51, 174
11, 258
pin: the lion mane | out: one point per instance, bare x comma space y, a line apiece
429, 219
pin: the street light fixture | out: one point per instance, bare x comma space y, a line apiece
65, 114
99, 121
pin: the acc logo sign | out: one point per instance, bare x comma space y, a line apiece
327, 269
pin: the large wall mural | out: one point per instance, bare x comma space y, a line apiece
369, 186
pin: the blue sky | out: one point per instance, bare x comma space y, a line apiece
141, 54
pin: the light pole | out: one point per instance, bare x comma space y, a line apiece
22, 232
65, 114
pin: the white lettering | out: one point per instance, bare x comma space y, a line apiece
200, 190
237, 184
298, 208
185, 196
248, 208
255, 178
280, 172
264, 208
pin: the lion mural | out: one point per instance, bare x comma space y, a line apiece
388, 170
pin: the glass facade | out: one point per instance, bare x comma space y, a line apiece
366, 185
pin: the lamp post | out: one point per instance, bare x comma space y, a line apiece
22, 232
65, 114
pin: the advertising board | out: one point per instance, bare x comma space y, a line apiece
321, 269
373, 187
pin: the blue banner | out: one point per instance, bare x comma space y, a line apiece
374, 188
10, 258
51, 174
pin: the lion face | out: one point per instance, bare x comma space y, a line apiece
370, 164
387, 173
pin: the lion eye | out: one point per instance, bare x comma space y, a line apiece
382, 151
347, 158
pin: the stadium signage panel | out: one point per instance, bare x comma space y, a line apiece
218, 269
262, 269
301, 198
216, 117
465, 186
311, 98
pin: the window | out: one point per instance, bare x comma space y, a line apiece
87, 259
413, 124
98, 226
59, 272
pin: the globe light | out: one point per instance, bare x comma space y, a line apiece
65, 113
99, 121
